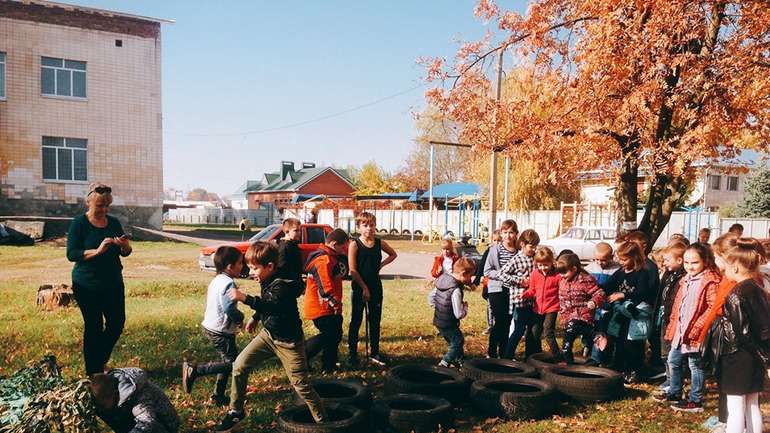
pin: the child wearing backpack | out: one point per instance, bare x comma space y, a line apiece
323, 298
449, 308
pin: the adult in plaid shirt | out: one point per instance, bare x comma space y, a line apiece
515, 274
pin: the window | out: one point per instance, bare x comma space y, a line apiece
609, 234
265, 234
732, 183
593, 235
65, 159
315, 235
2, 75
715, 182
574, 233
60, 77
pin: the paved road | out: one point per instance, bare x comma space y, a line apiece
407, 265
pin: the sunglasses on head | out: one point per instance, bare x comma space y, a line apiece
102, 190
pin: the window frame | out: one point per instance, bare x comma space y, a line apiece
64, 68
718, 179
729, 183
4, 73
65, 145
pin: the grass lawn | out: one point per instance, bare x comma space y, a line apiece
165, 300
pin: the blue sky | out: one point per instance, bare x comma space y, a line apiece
236, 66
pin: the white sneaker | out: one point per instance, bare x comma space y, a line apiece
443, 364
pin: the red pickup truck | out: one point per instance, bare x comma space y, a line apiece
312, 236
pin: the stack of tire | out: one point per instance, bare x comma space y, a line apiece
347, 404
419, 398
580, 382
509, 389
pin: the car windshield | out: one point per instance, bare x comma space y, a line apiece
574, 233
609, 234
266, 233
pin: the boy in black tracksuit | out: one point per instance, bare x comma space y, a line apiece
289, 255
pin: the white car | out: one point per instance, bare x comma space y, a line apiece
581, 240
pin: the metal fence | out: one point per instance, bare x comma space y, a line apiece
257, 217
545, 222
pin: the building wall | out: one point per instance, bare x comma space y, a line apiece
717, 198
120, 117
327, 183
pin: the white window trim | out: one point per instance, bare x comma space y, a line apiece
72, 160
56, 80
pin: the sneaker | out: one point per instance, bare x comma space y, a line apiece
443, 363
219, 400
188, 376
230, 422
631, 378
458, 364
486, 331
665, 397
657, 373
379, 359
687, 406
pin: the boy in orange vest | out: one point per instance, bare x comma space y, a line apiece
323, 298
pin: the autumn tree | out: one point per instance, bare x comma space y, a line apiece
200, 194
636, 83
371, 179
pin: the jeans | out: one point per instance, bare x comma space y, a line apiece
520, 327
544, 326
292, 357
454, 337
104, 315
356, 317
228, 351
498, 337
575, 328
675, 359
328, 340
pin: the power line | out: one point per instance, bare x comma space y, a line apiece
301, 123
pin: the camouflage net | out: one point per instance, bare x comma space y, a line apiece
36, 400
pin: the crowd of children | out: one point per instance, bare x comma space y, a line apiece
699, 304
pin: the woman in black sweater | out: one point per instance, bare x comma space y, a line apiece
95, 242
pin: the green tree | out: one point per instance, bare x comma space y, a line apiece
756, 202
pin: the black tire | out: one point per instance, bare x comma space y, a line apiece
412, 412
516, 398
587, 384
428, 380
394, 231
406, 232
418, 232
342, 419
545, 361
493, 368
346, 392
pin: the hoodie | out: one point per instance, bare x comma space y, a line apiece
142, 406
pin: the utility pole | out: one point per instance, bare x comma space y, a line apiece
493, 160
505, 186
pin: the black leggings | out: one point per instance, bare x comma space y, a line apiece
104, 315
544, 326
498, 337
356, 318
576, 328
328, 341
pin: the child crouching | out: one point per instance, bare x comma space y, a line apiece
449, 308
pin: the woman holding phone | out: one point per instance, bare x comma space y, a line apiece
95, 243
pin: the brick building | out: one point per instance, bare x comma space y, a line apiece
290, 185
80, 101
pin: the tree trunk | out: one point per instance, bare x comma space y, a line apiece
626, 194
664, 194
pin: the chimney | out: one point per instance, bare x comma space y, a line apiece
287, 167
308, 165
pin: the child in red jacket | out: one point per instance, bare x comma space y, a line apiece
443, 263
579, 295
544, 288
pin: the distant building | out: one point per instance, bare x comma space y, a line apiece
289, 185
80, 101
717, 183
